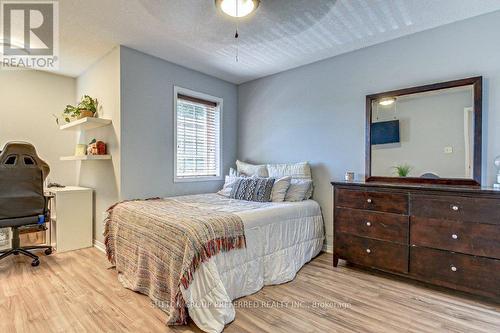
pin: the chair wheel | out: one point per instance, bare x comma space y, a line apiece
48, 251
35, 263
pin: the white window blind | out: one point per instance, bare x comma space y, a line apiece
198, 138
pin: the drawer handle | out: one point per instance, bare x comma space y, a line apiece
368, 251
455, 208
453, 269
369, 200
368, 224
454, 236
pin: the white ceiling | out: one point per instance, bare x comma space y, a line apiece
280, 35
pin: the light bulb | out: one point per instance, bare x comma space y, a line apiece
237, 8
387, 101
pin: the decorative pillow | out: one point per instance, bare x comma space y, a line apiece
229, 182
233, 173
279, 189
228, 185
300, 170
309, 193
252, 189
298, 190
248, 169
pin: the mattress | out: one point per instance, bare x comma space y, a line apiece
281, 238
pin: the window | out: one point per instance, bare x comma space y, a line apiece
197, 136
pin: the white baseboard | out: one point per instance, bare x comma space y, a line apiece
327, 248
99, 245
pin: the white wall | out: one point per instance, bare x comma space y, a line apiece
102, 81
147, 117
317, 112
29, 98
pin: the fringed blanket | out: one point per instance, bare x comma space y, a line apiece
157, 244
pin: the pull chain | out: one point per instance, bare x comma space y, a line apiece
236, 35
237, 44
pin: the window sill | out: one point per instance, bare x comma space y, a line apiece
198, 179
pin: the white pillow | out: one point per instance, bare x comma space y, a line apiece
233, 173
309, 193
300, 170
252, 169
280, 188
228, 185
298, 190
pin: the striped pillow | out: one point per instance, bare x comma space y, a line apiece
252, 189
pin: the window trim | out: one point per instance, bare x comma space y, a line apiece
219, 101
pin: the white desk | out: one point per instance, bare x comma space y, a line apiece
71, 217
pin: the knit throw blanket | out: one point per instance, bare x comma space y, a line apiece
157, 244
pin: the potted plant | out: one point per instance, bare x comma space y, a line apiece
402, 170
86, 108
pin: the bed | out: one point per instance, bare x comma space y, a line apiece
279, 239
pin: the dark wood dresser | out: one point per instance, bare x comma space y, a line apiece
447, 236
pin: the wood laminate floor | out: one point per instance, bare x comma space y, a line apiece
76, 292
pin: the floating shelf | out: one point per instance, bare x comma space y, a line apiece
86, 158
85, 124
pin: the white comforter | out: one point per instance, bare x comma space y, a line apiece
281, 238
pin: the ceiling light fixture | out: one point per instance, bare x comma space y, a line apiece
387, 101
237, 8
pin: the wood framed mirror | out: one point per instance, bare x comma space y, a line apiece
430, 134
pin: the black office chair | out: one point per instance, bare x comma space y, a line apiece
22, 200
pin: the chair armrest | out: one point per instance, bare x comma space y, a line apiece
47, 197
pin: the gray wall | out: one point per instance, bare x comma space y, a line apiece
147, 133
317, 112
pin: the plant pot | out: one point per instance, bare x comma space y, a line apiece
85, 113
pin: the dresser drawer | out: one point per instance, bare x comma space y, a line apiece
378, 201
456, 208
383, 226
465, 237
457, 271
372, 253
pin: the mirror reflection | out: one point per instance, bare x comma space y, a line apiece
427, 135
